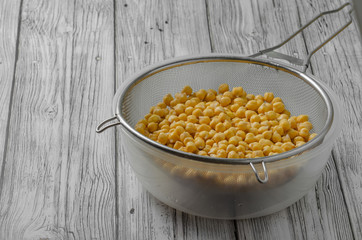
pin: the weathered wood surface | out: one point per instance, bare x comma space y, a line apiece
58, 175
60, 64
9, 20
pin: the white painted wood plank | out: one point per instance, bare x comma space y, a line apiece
29, 200
247, 28
148, 32
59, 174
90, 182
338, 64
9, 20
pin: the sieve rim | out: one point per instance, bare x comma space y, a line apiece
194, 59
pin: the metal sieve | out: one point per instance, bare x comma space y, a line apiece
301, 93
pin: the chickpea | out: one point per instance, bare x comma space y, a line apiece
191, 147
210, 96
167, 99
278, 107
200, 143
233, 154
268, 97
187, 90
223, 88
238, 91
302, 118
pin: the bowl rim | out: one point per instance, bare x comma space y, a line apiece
214, 57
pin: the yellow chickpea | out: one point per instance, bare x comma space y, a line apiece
201, 94
279, 130
257, 153
183, 116
223, 88
255, 118
173, 137
241, 101
278, 107
221, 153
233, 154
152, 126
192, 119
187, 90
204, 127
230, 147
252, 105
277, 99
287, 146
249, 138
219, 110
238, 91
162, 138
304, 132
250, 97
210, 142
268, 97
286, 138
249, 113
241, 133
190, 128
174, 102
302, 118
219, 137
276, 137
208, 112
277, 149
191, 147
210, 96
197, 112
271, 115
200, 143
178, 145
313, 135
267, 150
306, 125
240, 113
225, 101
298, 139
182, 97
167, 99
292, 133
220, 127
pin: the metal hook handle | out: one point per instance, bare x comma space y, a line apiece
271, 53
266, 178
100, 127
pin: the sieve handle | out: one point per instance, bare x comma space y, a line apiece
266, 177
304, 63
102, 126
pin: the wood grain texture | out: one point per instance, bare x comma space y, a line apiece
59, 176
148, 32
9, 21
338, 65
246, 29
89, 186
29, 200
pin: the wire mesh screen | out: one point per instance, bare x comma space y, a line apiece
297, 94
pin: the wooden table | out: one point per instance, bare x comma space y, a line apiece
61, 62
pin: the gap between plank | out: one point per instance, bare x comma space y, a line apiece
116, 164
11, 99
208, 25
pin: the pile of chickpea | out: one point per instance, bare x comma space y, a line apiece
225, 124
